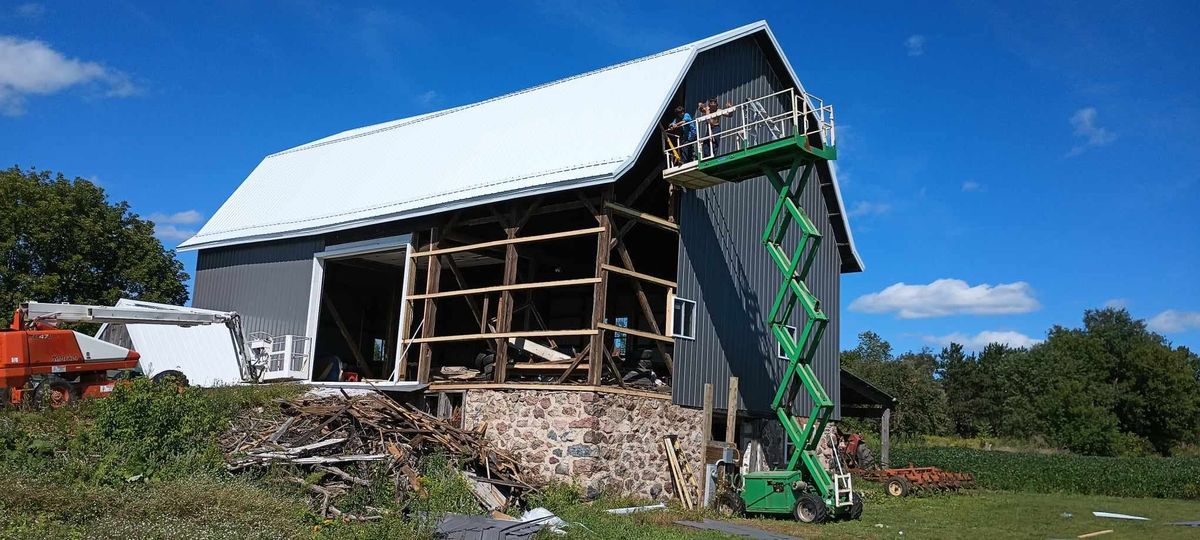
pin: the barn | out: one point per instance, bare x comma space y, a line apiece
569, 264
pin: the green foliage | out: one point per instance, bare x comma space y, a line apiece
923, 407
1109, 388
62, 241
1176, 478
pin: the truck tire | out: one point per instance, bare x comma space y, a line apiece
53, 392
865, 458
810, 508
856, 507
730, 505
172, 377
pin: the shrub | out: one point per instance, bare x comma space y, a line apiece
1175, 478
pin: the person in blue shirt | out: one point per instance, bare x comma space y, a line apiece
683, 133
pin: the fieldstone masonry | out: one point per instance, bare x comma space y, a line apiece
601, 441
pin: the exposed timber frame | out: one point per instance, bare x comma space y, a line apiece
526, 271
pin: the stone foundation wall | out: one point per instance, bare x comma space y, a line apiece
599, 441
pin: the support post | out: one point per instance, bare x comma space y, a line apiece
600, 293
885, 438
410, 288
731, 411
504, 309
706, 430
433, 278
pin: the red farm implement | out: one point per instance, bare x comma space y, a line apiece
900, 482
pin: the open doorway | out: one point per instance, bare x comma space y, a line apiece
355, 310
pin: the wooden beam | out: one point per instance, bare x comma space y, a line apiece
574, 363
600, 293
345, 332
612, 365
648, 219
433, 278
505, 335
731, 411
504, 309
638, 333
641, 276
450, 387
885, 438
508, 241
706, 426
647, 311
512, 287
410, 286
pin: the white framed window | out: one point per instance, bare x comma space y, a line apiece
779, 346
684, 318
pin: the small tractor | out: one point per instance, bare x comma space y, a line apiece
43, 365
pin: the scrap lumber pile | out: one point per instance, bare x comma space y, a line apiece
348, 443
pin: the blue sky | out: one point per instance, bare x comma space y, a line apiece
1006, 165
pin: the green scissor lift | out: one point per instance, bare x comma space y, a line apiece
803, 488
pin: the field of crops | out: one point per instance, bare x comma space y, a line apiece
1172, 478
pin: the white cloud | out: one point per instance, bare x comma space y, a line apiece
1174, 321
167, 226
867, 208
915, 45
1083, 124
1117, 303
983, 339
945, 297
31, 10
971, 185
31, 67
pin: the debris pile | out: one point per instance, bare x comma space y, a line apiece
336, 444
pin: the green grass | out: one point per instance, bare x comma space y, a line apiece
65, 478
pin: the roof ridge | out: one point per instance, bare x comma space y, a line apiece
438, 114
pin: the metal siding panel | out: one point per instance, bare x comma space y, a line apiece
267, 283
723, 224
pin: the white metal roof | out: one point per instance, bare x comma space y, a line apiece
578, 131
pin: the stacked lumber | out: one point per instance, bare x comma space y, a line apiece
353, 442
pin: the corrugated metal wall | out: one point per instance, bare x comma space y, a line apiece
726, 270
267, 283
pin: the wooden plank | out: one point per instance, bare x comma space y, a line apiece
731, 410
504, 309
634, 332
600, 293
612, 365
574, 363
544, 209
508, 241
446, 387
410, 287
641, 276
538, 350
433, 278
512, 287
361, 362
648, 219
505, 335
543, 366
647, 311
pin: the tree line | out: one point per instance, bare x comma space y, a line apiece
1110, 387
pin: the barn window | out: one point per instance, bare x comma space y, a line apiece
684, 318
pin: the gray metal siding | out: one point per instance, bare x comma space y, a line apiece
725, 269
267, 283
